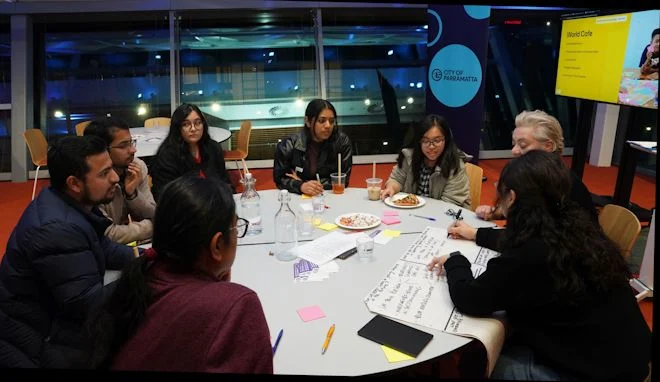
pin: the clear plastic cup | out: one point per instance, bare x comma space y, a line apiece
373, 188
365, 248
306, 220
338, 182
318, 204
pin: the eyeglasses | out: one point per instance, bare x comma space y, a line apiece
434, 142
187, 125
125, 144
241, 227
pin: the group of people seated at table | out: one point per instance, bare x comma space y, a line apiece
562, 282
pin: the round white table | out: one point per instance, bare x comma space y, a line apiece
340, 296
149, 139
355, 200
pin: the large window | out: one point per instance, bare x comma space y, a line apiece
92, 66
250, 65
362, 49
520, 74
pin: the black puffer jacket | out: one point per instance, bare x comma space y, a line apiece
290, 155
51, 279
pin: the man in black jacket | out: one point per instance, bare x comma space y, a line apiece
51, 277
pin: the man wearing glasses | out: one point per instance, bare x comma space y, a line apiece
132, 209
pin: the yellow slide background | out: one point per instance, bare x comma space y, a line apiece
590, 66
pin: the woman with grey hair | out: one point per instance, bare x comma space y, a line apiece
538, 130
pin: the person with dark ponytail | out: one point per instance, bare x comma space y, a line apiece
562, 282
174, 308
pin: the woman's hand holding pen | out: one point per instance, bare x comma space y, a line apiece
462, 230
311, 187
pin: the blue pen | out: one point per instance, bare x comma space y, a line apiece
277, 341
423, 217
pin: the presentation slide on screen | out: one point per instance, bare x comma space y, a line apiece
611, 58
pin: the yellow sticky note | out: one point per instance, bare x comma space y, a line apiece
394, 355
305, 196
391, 233
132, 244
327, 226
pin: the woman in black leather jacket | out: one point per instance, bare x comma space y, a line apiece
300, 157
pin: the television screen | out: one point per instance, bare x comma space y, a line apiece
612, 58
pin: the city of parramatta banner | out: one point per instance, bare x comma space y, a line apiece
456, 50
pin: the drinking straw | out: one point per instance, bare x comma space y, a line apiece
339, 166
245, 166
373, 175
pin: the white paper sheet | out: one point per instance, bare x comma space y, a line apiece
411, 293
325, 248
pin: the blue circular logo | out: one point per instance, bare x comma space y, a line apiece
455, 75
439, 22
477, 11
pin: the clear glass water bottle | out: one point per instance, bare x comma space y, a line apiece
286, 229
250, 205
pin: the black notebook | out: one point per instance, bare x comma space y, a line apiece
397, 336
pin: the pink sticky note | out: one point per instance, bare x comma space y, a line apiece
390, 220
390, 213
310, 313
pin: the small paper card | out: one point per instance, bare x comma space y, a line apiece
306, 207
390, 213
305, 196
310, 313
382, 239
395, 356
391, 233
390, 220
328, 226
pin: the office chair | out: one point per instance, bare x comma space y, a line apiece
621, 226
157, 122
475, 176
80, 127
36, 143
241, 151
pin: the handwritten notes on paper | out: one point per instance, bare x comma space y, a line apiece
411, 293
431, 242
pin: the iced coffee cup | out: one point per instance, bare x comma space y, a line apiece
373, 188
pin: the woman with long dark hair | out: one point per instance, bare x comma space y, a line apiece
188, 148
561, 281
174, 308
433, 167
300, 157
